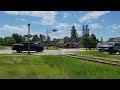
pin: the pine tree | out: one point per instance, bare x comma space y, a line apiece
74, 33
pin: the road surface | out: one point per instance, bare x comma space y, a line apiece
45, 52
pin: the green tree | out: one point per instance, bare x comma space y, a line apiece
18, 38
89, 41
74, 33
8, 41
1, 41
41, 36
79, 39
93, 41
44, 37
85, 41
54, 39
35, 38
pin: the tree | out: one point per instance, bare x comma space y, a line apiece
98, 41
1, 41
48, 38
8, 41
93, 41
18, 38
44, 37
35, 38
54, 39
79, 39
85, 41
89, 41
74, 33
41, 36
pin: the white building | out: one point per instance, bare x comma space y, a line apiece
85, 30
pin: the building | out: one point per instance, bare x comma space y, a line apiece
115, 39
85, 30
71, 42
101, 40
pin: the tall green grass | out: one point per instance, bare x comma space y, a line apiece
54, 67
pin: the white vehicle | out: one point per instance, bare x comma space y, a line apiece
111, 47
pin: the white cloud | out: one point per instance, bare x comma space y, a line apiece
65, 26
23, 29
48, 17
61, 26
65, 15
93, 15
21, 19
114, 28
36, 22
95, 26
89, 21
48, 20
15, 29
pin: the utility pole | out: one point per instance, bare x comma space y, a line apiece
28, 39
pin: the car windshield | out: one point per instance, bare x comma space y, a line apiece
106, 43
110, 43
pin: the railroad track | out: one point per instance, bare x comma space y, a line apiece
96, 59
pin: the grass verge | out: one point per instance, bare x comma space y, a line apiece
3, 47
54, 67
99, 54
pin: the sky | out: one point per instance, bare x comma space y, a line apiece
105, 24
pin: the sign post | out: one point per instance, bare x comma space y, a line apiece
28, 39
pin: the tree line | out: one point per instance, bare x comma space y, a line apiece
86, 41
19, 39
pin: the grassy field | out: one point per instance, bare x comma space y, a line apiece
3, 47
99, 54
53, 67
51, 48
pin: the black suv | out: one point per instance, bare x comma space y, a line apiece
24, 47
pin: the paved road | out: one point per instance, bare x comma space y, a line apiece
45, 52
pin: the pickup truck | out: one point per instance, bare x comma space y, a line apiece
24, 47
111, 47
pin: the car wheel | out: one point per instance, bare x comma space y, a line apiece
41, 49
19, 50
37, 50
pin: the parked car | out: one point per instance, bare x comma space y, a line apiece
24, 47
111, 47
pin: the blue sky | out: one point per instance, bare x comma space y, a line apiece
104, 24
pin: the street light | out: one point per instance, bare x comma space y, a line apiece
47, 32
28, 39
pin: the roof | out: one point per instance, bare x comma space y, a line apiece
115, 39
